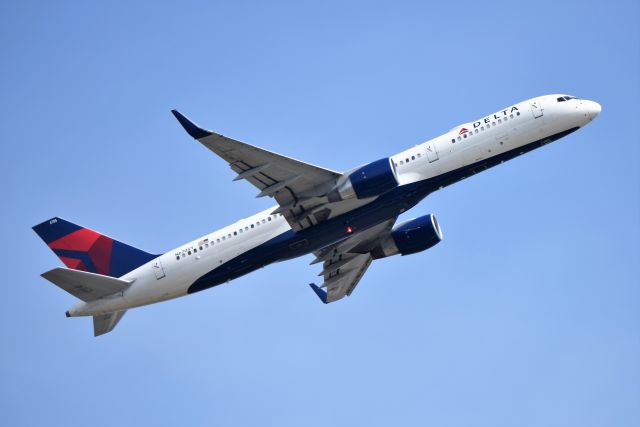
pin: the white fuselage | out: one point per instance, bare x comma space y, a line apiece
170, 275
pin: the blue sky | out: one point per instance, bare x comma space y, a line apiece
527, 314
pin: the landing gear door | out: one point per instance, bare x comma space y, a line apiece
536, 109
432, 153
158, 270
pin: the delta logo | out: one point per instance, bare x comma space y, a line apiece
489, 119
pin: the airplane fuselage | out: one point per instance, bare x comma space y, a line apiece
264, 238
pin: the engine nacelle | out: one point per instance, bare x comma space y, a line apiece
410, 237
370, 180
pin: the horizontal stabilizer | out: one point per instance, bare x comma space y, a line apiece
84, 285
106, 322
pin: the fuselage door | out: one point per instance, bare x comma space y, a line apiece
536, 109
158, 270
432, 153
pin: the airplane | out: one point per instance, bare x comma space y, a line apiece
346, 220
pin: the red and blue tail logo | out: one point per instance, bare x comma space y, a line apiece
83, 249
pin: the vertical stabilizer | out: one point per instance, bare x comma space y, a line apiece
83, 249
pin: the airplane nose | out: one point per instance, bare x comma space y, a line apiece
593, 109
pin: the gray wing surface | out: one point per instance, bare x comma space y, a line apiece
293, 183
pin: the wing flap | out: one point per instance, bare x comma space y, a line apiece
343, 283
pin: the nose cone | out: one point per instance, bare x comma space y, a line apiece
593, 109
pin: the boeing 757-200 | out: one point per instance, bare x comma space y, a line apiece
346, 220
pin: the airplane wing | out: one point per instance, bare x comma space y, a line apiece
291, 182
345, 263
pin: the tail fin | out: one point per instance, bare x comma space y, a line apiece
83, 249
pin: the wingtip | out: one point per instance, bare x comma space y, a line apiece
192, 129
320, 292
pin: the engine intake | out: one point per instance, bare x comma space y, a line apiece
370, 180
410, 237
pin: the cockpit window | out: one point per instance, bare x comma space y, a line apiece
565, 98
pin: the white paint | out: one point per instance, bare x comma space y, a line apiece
167, 277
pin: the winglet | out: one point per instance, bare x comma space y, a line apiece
321, 293
192, 129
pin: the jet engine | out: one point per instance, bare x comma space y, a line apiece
370, 180
410, 237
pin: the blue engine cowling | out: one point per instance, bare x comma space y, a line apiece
410, 237
370, 180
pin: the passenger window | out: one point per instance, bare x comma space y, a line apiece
453, 141
401, 162
224, 238
252, 225
246, 229
511, 116
263, 220
269, 218
218, 240
481, 127
499, 120
200, 247
518, 113
235, 233
413, 157
465, 135
476, 131
189, 253
195, 250
459, 139
419, 155
178, 257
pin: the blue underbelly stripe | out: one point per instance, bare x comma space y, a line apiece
291, 244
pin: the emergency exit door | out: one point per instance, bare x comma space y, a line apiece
536, 109
432, 153
158, 270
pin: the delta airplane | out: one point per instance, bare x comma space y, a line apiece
346, 220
